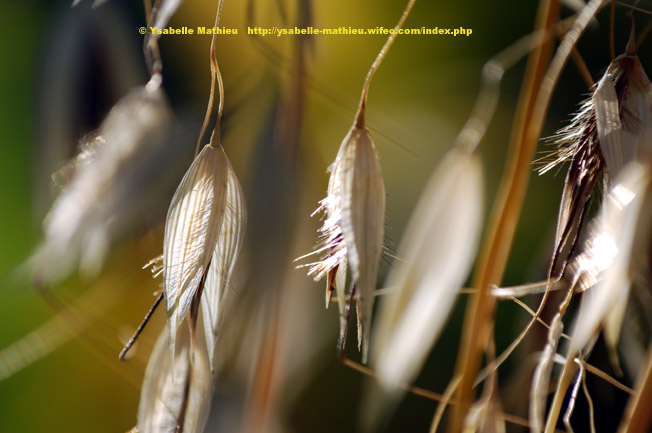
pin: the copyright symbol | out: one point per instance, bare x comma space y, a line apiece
142, 30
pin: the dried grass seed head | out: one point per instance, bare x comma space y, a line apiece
615, 244
353, 229
579, 144
217, 288
623, 107
192, 229
78, 228
613, 128
176, 393
437, 251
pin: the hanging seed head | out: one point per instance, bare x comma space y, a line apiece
176, 393
192, 230
77, 228
614, 247
579, 143
217, 289
353, 229
623, 107
613, 128
436, 252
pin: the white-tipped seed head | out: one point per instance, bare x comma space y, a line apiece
353, 230
362, 203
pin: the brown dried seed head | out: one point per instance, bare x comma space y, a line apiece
623, 106
612, 244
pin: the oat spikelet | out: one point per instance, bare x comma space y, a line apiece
176, 394
613, 128
436, 253
623, 105
362, 195
77, 228
192, 230
217, 289
353, 229
578, 144
613, 240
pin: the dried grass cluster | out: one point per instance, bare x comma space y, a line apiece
595, 271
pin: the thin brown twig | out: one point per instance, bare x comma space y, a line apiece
580, 64
451, 389
589, 400
607, 378
421, 392
360, 116
140, 328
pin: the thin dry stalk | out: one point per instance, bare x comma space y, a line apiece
492, 264
638, 416
378, 60
493, 258
216, 76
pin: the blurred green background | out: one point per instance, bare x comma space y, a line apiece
63, 68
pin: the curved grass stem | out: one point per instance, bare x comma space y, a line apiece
360, 116
216, 77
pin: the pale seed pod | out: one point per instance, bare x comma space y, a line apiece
362, 195
437, 251
176, 394
353, 229
192, 230
612, 129
216, 293
578, 143
77, 228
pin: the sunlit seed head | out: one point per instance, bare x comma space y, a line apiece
352, 233
192, 230
78, 227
